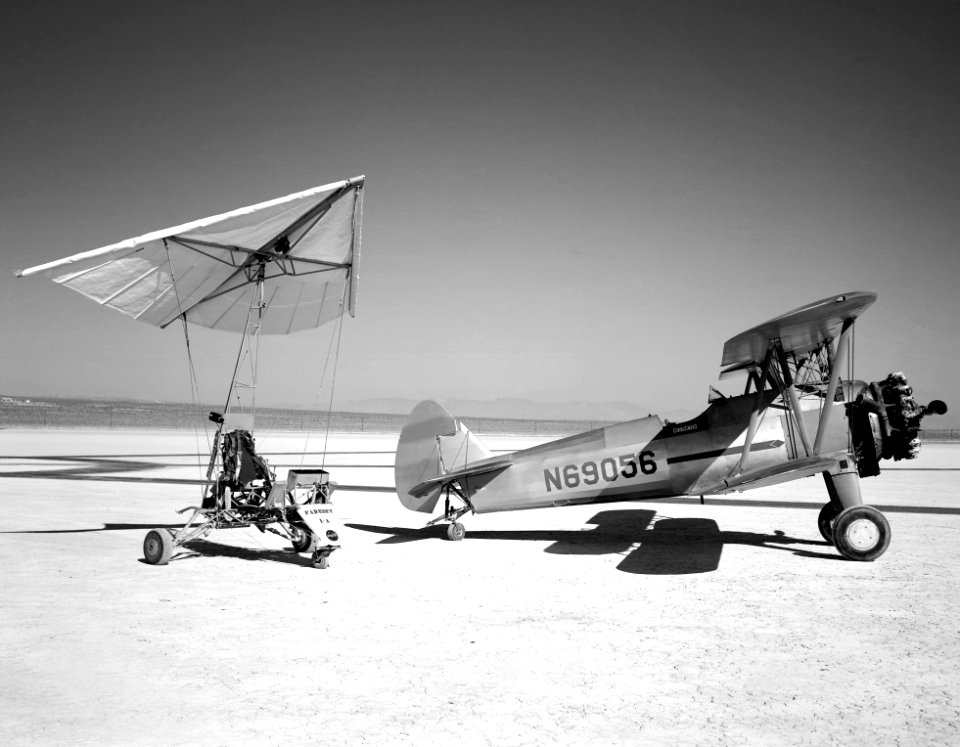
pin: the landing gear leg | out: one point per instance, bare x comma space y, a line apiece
858, 532
455, 530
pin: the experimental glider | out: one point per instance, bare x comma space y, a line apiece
273, 268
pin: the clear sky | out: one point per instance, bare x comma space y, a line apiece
564, 201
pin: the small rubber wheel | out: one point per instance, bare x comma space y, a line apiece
456, 532
301, 540
157, 547
825, 521
861, 533
321, 561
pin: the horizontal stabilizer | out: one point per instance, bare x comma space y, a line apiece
433, 448
759, 478
423, 488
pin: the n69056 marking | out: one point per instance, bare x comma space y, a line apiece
590, 473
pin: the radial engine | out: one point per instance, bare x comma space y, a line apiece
885, 422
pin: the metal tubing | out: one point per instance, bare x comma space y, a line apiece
835, 368
755, 413
791, 390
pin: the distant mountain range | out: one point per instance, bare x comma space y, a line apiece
515, 408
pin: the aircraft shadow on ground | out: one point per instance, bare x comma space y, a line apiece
205, 548
81, 467
107, 527
665, 547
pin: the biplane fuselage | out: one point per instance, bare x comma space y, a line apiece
644, 458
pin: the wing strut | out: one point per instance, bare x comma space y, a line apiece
789, 385
755, 413
836, 365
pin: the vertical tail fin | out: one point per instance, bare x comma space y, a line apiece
432, 442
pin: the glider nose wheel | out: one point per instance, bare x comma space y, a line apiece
301, 540
157, 547
861, 533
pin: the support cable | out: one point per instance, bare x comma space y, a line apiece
194, 384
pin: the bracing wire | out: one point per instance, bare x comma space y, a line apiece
333, 347
333, 384
194, 383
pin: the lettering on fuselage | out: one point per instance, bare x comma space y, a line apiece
590, 473
304, 512
684, 428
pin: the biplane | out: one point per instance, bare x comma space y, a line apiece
278, 267
797, 417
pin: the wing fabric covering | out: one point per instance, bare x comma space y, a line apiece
799, 331
305, 246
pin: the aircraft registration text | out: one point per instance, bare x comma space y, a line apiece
590, 473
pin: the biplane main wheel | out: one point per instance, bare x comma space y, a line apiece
861, 533
301, 540
157, 547
828, 515
456, 532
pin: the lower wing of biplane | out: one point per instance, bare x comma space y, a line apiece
796, 418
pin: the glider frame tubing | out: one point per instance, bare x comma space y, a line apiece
785, 373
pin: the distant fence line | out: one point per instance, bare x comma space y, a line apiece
171, 416
168, 416
941, 435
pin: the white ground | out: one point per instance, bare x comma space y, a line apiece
595, 625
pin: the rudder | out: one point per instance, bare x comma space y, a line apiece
432, 442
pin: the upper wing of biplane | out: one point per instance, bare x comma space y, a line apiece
305, 247
799, 331
802, 350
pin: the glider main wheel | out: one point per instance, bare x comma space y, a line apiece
456, 532
825, 521
157, 547
301, 540
861, 533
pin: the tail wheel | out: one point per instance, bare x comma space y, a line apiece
861, 533
825, 521
157, 547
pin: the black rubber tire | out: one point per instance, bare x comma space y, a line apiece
828, 515
861, 533
157, 547
456, 532
301, 539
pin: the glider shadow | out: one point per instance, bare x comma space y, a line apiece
205, 548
